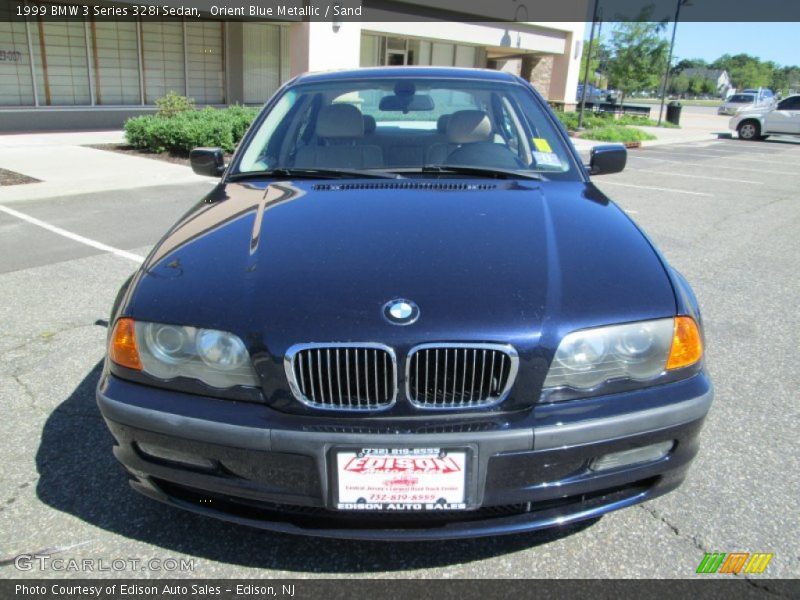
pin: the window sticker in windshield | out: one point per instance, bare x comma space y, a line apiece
542, 145
547, 159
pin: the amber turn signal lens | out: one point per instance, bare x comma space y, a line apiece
123, 350
687, 346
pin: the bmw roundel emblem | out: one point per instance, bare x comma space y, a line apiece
401, 311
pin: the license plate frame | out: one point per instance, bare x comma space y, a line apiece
401, 487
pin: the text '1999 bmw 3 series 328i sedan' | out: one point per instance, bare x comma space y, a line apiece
405, 312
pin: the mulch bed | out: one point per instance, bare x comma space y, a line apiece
11, 178
178, 159
132, 151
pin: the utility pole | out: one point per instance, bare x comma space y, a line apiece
669, 60
588, 64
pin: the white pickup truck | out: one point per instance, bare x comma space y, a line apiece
782, 118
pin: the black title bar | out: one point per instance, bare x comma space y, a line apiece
388, 589
541, 11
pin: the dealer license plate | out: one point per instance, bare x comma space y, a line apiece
401, 479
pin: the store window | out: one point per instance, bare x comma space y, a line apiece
61, 62
162, 59
372, 47
265, 61
84, 62
115, 58
16, 84
205, 58
381, 50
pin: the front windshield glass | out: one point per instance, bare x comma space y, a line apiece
742, 99
405, 125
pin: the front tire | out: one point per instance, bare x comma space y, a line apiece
749, 131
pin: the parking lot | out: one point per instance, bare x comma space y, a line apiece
725, 213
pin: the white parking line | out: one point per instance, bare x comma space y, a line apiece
72, 236
689, 163
694, 154
660, 189
724, 153
673, 174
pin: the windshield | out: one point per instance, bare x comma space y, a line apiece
741, 98
407, 125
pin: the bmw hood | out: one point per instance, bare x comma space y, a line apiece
280, 263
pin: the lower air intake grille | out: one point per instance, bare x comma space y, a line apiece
342, 377
453, 376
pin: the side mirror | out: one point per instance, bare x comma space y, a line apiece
609, 158
208, 161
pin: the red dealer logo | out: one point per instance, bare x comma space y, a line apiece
389, 464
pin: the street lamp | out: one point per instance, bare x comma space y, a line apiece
669, 59
586, 70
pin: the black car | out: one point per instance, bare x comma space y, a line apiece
405, 312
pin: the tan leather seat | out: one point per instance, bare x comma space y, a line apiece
338, 142
470, 141
462, 127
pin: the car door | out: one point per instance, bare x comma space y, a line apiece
785, 117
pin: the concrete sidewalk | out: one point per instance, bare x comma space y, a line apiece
65, 166
696, 126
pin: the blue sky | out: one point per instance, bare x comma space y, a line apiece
768, 41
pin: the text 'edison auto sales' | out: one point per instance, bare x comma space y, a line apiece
410, 480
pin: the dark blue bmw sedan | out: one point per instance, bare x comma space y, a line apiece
405, 312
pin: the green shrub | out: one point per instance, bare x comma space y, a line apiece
590, 119
640, 121
635, 120
185, 130
241, 117
173, 104
618, 133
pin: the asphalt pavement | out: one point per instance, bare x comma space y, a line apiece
725, 213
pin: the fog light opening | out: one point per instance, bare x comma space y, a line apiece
173, 456
634, 456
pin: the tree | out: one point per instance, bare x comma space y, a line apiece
709, 86
679, 84
596, 67
746, 71
696, 85
785, 79
639, 56
689, 63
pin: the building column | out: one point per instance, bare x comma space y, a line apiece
566, 67
321, 46
234, 76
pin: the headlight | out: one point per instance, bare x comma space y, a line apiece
163, 351
642, 352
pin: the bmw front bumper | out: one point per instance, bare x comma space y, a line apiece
249, 464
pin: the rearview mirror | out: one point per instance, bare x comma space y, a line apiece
406, 103
609, 158
208, 161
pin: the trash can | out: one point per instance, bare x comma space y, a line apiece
674, 112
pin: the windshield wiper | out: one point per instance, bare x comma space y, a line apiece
492, 172
310, 173
482, 171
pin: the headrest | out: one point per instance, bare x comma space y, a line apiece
369, 124
467, 126
340, 121
441, 123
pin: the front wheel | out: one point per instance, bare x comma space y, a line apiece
749, 131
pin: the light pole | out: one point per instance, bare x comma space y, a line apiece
588, 64
669, 59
